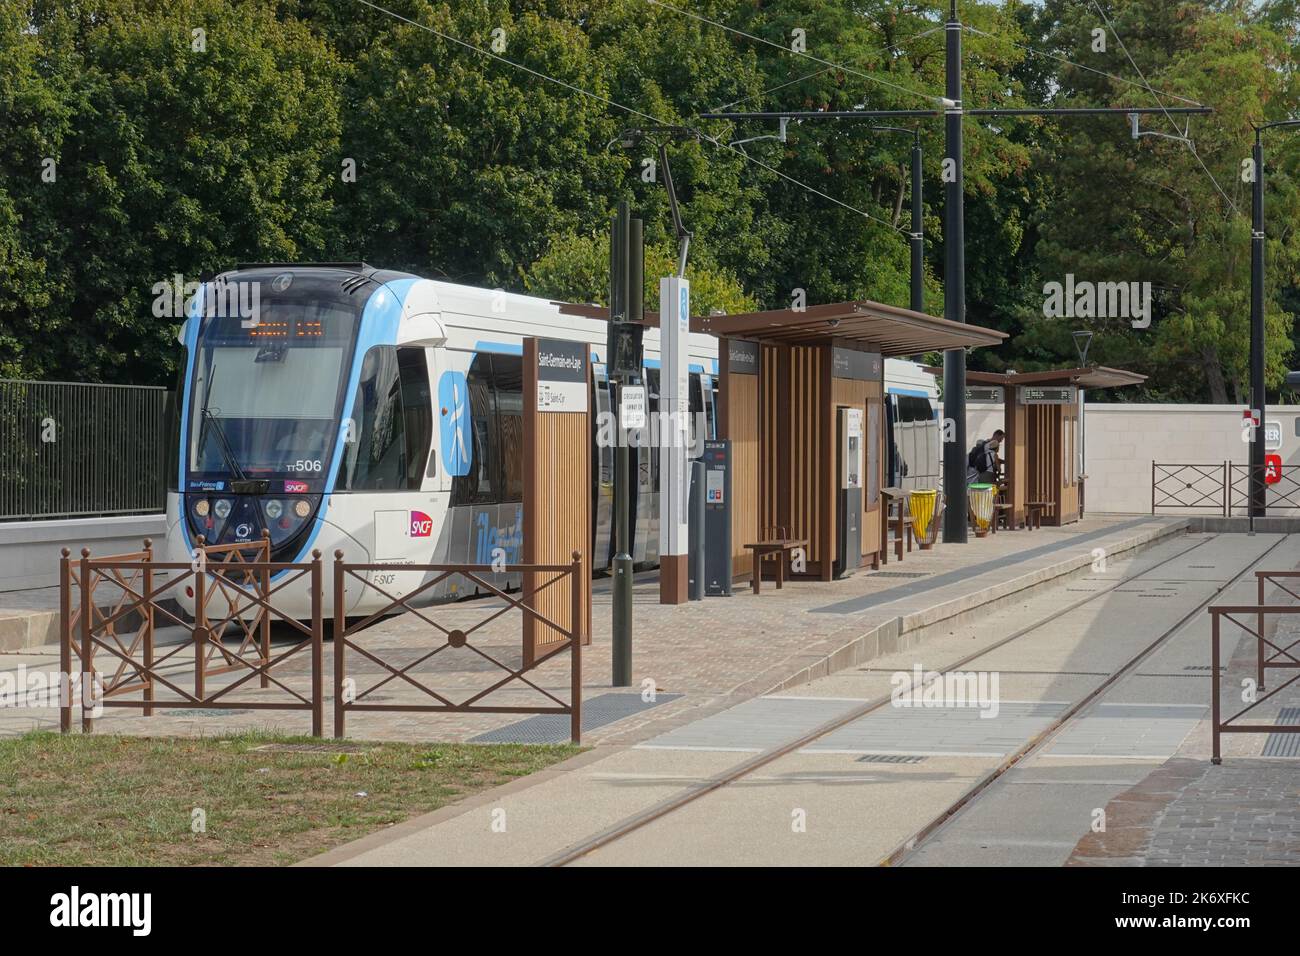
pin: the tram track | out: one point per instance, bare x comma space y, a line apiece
631, 824
1049, 733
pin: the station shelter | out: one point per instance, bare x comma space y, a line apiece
788, 381
1043, 417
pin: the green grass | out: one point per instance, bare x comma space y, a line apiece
86, 800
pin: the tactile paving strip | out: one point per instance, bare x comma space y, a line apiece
1128, 730
554, 728
1284, 745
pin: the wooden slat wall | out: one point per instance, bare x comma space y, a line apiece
1070, 497
1044, 457
557, 509
806, 449
770, 476
739, 423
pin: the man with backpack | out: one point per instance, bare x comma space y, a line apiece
982, 462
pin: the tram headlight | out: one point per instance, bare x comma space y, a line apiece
274, 509
222, 508
301, 508
201, 507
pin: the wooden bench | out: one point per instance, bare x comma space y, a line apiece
896, 513
1001, 512
778, 546
1034, 513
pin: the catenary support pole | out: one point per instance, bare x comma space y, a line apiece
954, 297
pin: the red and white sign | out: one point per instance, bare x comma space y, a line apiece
296, 487
421, 525
1272, 469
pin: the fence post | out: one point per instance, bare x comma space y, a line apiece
65, 642
147, 576
1259, 634
1153, 486
577, 617
1227, 489
200, 620
340, 627
317, 647
1214, 683
264, 581
86, 681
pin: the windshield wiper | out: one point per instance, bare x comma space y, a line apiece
223, 443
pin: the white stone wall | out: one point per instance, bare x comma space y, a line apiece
1122, 441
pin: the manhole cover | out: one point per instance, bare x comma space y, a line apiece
889, 758
899, 574
203, 712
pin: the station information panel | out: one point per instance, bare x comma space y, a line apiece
717, 518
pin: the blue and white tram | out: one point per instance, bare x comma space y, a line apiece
381, 414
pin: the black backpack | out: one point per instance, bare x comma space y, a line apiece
976, 457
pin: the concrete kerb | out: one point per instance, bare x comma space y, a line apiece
910, 630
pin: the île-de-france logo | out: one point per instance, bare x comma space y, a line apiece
453, 403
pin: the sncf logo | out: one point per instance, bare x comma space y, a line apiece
421, 525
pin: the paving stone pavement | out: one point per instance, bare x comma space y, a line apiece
1189, 812
714, 653
1192, 813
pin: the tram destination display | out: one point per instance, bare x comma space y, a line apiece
1049, 395
984, 395
561, 376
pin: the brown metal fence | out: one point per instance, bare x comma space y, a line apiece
1224, 487
1188, 486
347, 637
1275, 657
111, 609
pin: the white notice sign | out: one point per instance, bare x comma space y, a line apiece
631, 406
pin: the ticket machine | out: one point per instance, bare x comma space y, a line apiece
852, 466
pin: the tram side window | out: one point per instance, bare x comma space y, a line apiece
480, 485
508, 377
417, 414
391, 422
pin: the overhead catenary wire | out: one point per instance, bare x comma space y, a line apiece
714, 141
1119, 79
808, 56
1191, 146
826, 69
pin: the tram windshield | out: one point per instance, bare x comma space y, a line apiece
266, 394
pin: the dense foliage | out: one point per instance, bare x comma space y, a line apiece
142, 139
